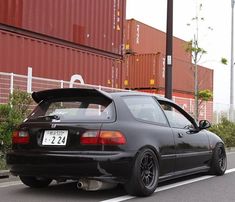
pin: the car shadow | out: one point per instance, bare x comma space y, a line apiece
69, 192
181, 179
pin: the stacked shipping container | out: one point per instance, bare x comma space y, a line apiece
147, 71
97, 24
144, 67
60, 38
143, 39
55, 61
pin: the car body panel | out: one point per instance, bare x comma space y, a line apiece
178, 155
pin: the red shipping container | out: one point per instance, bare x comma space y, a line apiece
93, 23
205, 78
183, 76
141, 71
147, 71
143, 39
55, 61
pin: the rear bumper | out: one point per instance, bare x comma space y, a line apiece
105, 166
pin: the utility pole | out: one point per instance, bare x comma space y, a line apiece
231, 108
168, 72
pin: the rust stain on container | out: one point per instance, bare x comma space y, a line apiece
93, 23
144, 39
55, 61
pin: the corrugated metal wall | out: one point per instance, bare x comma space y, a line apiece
143, 39
147, 71
55, 61
98, 24
141, 71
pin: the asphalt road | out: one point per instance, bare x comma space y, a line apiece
197, 188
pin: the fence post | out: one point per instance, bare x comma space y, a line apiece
29, 80
205, 108
190, 105
61, 84
12, 83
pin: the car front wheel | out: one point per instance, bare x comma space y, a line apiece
144, 178
219, 160
35, 182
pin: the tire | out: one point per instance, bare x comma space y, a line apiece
219, 160
35, 182
144, 177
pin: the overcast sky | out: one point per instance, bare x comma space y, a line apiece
216, 42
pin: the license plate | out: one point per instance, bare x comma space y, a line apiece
55, 137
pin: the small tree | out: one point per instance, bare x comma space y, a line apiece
11, 115
197, 52
205, 95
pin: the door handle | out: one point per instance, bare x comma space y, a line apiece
180, 135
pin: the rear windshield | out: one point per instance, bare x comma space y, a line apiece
74, 109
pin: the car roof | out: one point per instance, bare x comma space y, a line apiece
126, 93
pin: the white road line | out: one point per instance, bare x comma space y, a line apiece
9, 184
230, 171
120, 198
166, 187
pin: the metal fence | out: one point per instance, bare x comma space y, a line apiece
10, 81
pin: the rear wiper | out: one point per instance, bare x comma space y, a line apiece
48, 117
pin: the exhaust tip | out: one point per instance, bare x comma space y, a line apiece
80, 185
94, 185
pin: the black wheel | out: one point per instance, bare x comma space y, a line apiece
144, 178
35, 182
219, 160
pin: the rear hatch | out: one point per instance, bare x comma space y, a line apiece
63, 117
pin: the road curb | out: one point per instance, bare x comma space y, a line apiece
4, 174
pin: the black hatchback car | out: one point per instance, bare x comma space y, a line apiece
96, 138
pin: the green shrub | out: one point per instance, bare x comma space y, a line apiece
11, 115
226, 131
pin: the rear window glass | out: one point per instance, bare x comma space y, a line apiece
75, 109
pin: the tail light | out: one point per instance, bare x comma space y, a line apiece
103, 138
20, 137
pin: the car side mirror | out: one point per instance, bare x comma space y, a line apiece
204, 124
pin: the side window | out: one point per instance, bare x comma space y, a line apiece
145, 108
175, 117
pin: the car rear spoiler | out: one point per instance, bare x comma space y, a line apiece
68, 92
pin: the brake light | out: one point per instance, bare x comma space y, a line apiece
20, 137
103, 138
90, 137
